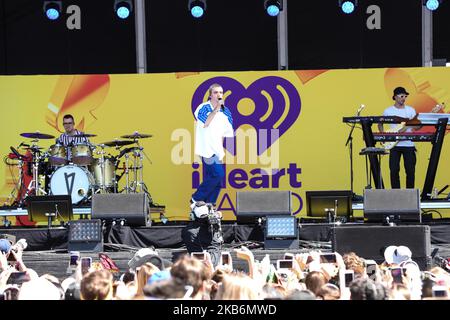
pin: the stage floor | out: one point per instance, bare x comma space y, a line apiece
56, 262
47, 248
6, 211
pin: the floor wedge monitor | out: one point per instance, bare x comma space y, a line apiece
402, 205
132, 209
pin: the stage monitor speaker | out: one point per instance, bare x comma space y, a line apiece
398, 204
131, 208
262, 203
369, 242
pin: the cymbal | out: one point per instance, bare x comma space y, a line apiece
137, 135
116, 143
84, 135
37, 135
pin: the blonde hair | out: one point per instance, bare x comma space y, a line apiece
143, 274
353, 262
237, 287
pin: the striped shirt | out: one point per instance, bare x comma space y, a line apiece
69, 141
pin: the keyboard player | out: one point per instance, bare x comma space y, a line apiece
406, 148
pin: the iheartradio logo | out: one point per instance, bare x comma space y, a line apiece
277, 106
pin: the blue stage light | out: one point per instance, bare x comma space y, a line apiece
273, 7
348, 7
52, 9
123, 8
432, 4
52, 14
197, 8
197, 11
123, 12
273, 10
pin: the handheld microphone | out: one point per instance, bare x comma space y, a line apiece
360, 109
221, 103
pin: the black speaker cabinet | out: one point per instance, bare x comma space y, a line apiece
398, 204
251, 205
369, 242
133, 208
262, 203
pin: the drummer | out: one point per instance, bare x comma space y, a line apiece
68, 138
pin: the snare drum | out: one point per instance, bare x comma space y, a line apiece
109, 172
57, 155
72, 180
81, 154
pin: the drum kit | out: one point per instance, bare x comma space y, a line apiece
82, 169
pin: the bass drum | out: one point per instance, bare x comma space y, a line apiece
72, 180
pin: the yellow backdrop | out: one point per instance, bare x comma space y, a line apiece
310, 151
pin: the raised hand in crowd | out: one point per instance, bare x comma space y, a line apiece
245, 254
3, 261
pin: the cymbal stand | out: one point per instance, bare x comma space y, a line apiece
115, 180
127, 174
102, 168
137, 170
139, 156
34, 183
17, 186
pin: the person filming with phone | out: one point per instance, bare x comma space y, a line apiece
12, 254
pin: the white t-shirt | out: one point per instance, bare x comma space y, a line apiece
406, 112
209, 140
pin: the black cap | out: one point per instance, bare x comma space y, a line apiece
399, 90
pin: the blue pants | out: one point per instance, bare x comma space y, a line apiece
209, 189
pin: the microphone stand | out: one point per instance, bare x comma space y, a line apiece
350, 144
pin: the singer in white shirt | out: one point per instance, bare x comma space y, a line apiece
214, 123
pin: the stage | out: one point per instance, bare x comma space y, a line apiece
47, 248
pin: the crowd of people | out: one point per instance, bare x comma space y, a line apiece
305, 276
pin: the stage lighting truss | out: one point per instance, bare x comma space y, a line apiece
281, 226
52, 9
197, 8
273, 7
432, 5
123, 8
348, 6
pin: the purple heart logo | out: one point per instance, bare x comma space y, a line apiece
260, 119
